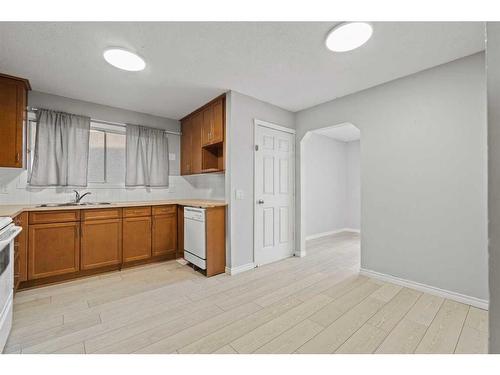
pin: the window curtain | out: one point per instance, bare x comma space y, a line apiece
147, 157
61, 149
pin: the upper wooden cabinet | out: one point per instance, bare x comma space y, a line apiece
186, 145
13, 101
196, 143
213, 123
202, 141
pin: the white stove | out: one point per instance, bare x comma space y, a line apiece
8, 231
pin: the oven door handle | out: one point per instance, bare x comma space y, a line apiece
8, 240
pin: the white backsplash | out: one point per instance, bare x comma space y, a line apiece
15, 190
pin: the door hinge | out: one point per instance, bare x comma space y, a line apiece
256, 147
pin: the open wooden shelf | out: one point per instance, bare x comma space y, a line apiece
212, 158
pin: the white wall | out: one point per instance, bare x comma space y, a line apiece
423, 179
353, 211
14, 188
493, 74
241, 112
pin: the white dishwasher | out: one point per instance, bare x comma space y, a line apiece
195, 236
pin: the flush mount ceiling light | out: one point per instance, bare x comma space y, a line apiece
123, 59
348, 36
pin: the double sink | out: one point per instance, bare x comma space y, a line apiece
72, 204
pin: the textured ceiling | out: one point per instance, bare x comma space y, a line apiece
285, 64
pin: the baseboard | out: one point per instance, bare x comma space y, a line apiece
351, 230
240, 269
329, 233
473, 301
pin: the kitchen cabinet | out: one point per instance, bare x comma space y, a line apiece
53, 249
213, 123
202, 140
205, 238
186, 143
101, 239
196, 143
216, 240
21, 246
164, 233
62, 244
13, 102
180, 232
136, 238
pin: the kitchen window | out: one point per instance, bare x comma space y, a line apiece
106, 153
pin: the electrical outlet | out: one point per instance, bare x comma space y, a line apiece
3, 189
171, 156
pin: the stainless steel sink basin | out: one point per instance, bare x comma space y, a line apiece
72, 204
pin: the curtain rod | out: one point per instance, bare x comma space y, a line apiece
32, 109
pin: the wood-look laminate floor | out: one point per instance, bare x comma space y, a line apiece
316, 304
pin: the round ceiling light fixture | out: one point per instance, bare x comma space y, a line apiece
348, 36
123, 59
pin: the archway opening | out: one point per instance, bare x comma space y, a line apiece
331, 192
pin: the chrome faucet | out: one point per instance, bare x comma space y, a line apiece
79, 197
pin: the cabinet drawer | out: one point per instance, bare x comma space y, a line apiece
104, 213
164, 210
59, 216
136, 211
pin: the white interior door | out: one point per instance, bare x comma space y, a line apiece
274, 193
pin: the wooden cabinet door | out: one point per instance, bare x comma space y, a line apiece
164, 236
136, 238
186, 142
12, 117
218, 122
53, 249
207, 126
196, 143
180, 232
21, 244
101, 243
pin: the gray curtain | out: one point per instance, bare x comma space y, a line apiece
147, 157
61, 149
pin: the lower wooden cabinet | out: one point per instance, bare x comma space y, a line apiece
136, 238
53, 249
65, 244
164, 234
101, 243
21, 245
180, 232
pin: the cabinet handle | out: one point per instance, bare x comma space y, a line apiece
17, 157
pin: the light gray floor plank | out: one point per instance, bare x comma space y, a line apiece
315, 304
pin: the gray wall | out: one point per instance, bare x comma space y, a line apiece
353, 212
241, 112
326, 184
493, 73
423, 181
102, 112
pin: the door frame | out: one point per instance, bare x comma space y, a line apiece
270, 125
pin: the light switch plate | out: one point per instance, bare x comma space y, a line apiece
240, 194
171, 156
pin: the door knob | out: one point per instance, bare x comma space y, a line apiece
260, 201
